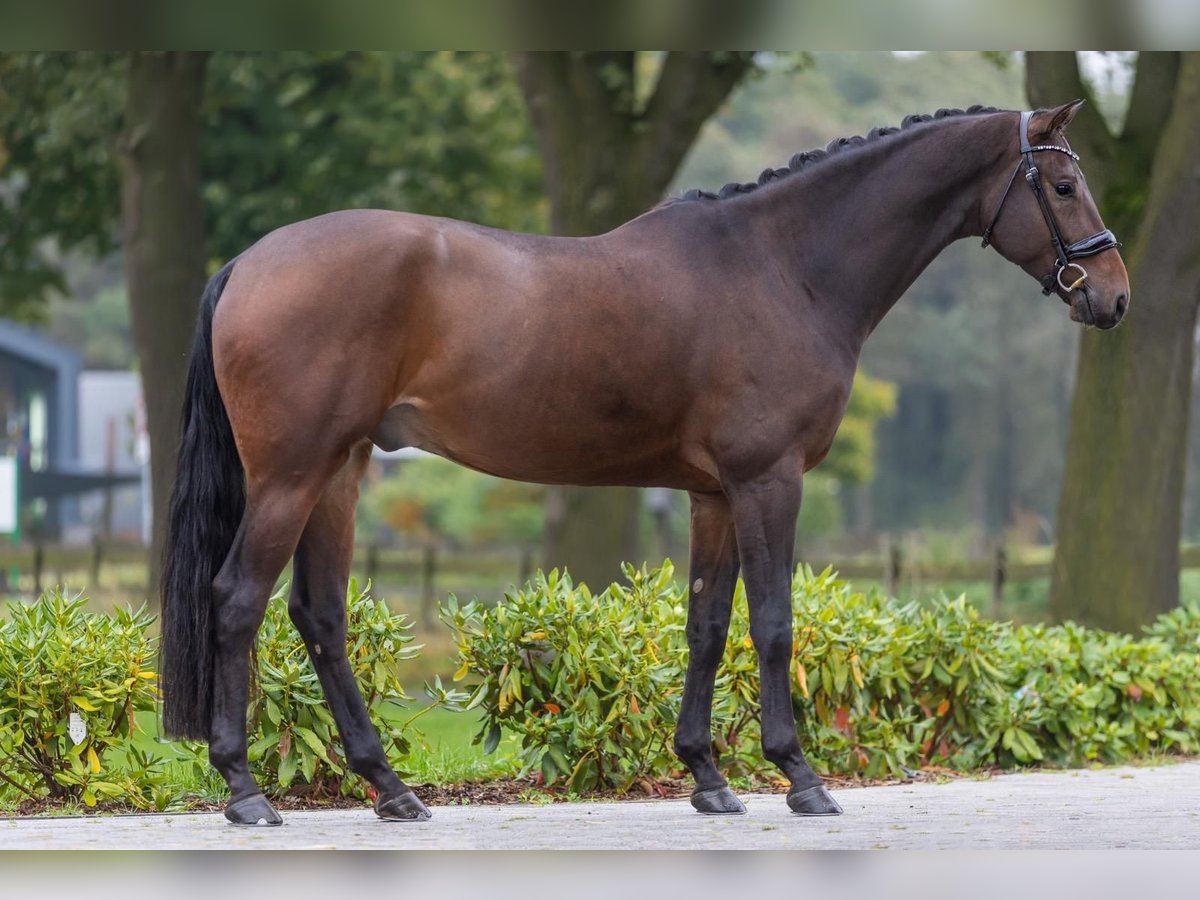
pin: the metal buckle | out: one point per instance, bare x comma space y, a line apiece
1075, 284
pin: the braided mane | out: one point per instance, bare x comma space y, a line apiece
809, 158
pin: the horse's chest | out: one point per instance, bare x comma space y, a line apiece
794, 409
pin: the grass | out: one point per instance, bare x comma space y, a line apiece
443, 753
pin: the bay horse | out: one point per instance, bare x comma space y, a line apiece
708, 345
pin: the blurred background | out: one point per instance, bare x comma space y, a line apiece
992, 447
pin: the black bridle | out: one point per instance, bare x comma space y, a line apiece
1066, 253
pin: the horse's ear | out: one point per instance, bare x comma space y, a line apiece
1046, 122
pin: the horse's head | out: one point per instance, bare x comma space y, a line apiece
1048, 223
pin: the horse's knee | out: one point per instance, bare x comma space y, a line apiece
705, 633
773, 645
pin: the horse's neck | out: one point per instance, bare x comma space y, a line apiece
860, 227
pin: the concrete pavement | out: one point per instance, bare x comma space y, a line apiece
1155, 807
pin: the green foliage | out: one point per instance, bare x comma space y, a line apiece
295, 134
432, 499
1087, 695
591, 685
59, 116
292, 737
1179, 629
821, 513
851, 460
57, 659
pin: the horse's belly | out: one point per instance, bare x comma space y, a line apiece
545, 450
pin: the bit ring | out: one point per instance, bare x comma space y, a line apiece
1078, 281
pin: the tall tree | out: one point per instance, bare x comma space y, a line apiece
1117, 561
162, 216
613, 128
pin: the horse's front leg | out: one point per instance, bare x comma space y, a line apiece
714, 566
765, 510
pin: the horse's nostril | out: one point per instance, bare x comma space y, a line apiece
1122, 304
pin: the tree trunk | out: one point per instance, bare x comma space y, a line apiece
606, 160
163, 229
1117, 560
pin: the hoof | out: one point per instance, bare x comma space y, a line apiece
405, 807
252, 810
813, 801
718, 801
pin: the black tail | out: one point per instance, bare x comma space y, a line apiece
206, 507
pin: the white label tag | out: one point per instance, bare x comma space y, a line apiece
76, 728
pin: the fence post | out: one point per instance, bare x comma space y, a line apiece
97, 560
894, 567
999, 576
428, 574
372, 562
525, 567
39, 560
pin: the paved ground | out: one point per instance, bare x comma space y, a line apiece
1096, 809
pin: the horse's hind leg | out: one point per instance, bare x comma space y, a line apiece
275, 514
318, 608
714, 566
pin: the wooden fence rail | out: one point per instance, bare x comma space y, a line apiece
46, 564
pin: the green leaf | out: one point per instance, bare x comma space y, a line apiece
1029, 744
477, 697
549, 771
1009, 740
492, 741
314, 743
287, 769
560, 760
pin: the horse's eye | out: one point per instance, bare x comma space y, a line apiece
1064, 188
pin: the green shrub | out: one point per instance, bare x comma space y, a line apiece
884, 687
589, 682
1085, 695
58, 659
1179, 629
293, 740
592, 683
